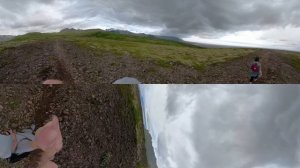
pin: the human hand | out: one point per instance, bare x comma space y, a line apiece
49, 138
48, 164
15, 143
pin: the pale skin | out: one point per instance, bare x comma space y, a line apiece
48, 139
15, 143
52, 82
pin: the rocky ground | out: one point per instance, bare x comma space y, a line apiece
98, 127
33, 63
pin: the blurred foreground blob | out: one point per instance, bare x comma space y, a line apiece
127, 81
49, 140
42, 146
52, 82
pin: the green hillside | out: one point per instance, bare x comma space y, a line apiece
165, 53
132, 99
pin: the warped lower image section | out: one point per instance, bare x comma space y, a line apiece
71, 126
222, 126
149, 126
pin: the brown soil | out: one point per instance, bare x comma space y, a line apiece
33, 63
97, 127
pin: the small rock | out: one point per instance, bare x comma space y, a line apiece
1, 108
66, 112
29, 102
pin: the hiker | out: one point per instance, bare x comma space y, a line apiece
46, 142
256, 71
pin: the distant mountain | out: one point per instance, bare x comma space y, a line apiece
150, 151
121, 32
143, 34
5, 38
172, 38
206, 45
68, 30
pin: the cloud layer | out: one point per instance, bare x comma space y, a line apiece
210, 19
192, 17
230, 126
176, 17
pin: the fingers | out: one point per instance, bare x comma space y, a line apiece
12, 133
48, 164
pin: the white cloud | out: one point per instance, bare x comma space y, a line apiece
276, 38
271, 23
229, 126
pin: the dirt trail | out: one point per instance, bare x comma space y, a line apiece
48, 93
93, 125
43, 105
33, 63
63, 67
97, 124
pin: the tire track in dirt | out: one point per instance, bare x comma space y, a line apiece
43, 105
48, 93
63, 68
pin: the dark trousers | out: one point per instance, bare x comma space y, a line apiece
15, 158
253, 78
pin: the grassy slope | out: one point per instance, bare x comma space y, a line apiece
163, 52
131, 96
293, 58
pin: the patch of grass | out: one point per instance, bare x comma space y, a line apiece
113, 64
25, 39
131, 95
14, 104
294, 60
163, 54
105, 159
157, 50
163, 63
5, 62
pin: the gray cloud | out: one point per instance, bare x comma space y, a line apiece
240, 126
190, 17
203, 16
32, 15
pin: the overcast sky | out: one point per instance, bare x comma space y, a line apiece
268, 23
228, 126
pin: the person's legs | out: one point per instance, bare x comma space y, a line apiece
24, 146
5, 146
256, 78
5, 133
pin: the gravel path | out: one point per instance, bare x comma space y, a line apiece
97, 127
33, 63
